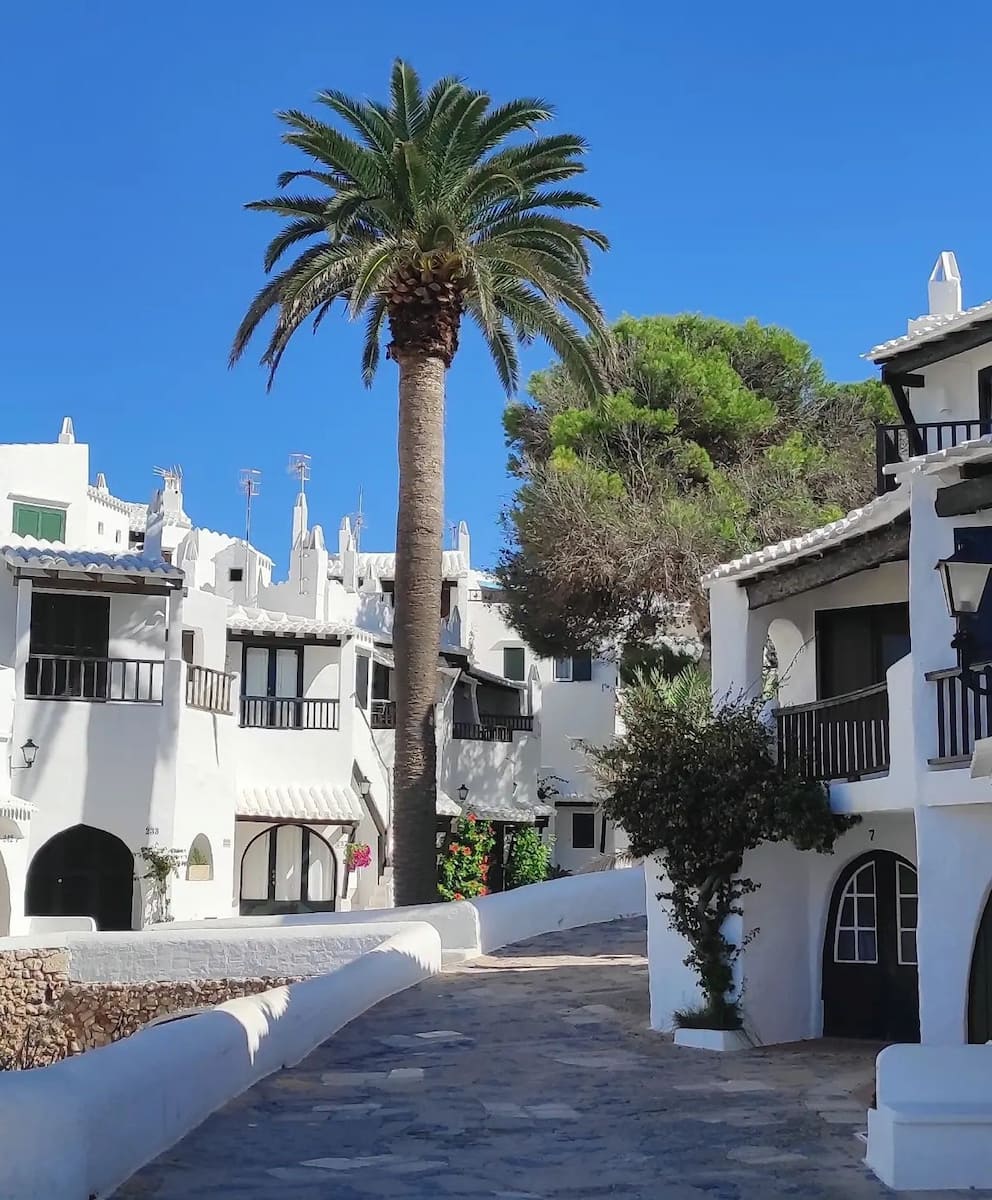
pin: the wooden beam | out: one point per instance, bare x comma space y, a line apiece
913, 359
889, 544
968, 496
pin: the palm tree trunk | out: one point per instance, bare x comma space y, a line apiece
416, 624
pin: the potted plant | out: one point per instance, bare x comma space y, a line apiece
358, 855
198, 865
696, 785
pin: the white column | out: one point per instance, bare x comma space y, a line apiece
737, 642
174, 640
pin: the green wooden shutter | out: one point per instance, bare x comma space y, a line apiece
51, 525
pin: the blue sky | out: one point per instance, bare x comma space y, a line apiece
801, 164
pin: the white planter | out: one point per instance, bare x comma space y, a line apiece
712, 1039
199, 871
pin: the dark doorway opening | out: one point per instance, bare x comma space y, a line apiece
82, 872
980, 984
870, 985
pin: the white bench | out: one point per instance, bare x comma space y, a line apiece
932, 1127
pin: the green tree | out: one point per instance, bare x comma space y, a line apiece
714, 439
700, 787
529, 858
421, 211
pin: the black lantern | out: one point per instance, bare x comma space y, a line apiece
364, 787
965, 576
29, 751
463, 793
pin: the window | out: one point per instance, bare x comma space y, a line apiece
117, 536
66, 624
362, 680
189, 645
99, 527
583, 830
513, 662
907, 905
575, 668
856, 939
45, 524
235, 574
856, 646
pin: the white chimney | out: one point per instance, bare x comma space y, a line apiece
944, 289
67, 435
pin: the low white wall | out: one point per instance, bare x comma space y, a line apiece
559, 904
471, 927
211, 953
80, 1128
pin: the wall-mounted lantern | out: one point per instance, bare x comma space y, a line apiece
365, 787
29, 752
463, 793
965, 577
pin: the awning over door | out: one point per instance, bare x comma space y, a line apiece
320, 803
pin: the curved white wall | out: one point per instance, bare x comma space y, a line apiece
82, 1127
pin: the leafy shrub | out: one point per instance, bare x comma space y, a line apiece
529, 858
463, 871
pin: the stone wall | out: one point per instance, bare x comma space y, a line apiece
46, 1016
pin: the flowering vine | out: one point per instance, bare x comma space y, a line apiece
463, 871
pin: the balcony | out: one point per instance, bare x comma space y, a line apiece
208, 690
897, 443
383, 714
468, 731
519, 723
845, 737
288, 712
94, 680
963, 716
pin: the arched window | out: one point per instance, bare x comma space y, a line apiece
200, 860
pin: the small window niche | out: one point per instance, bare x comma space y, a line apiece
200, 860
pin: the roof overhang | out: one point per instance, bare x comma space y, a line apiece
317, 803
936, 338
55, 564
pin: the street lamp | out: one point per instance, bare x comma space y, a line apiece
29, 752
364, 787
463, 793
965, 577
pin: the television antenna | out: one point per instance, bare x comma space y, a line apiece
358, 519
299, 465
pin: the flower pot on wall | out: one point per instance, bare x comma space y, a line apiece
200, 872
712, 1039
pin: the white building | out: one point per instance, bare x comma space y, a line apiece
889, 938
159, 690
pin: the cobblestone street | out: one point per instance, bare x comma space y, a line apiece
531, 1074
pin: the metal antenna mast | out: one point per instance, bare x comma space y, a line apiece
359, 519
299, 465
250, 484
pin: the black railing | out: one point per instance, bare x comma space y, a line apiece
844, 737
520, 723
963, 716
383, 714
97, 680
468, 731
208, 689
896, 443
288, 712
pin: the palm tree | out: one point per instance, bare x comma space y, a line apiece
429, 208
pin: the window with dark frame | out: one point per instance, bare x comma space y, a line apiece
574, 668
583, 830
235, 574
514, 662
362, 680
189, 646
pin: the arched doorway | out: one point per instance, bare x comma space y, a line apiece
288, 869
82, 872
870, 984
980, 984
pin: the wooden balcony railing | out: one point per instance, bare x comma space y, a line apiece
963, 716
844, 737
208, 689
470, 732
97, 680
519, 723
383, 714
897, 443
288, 712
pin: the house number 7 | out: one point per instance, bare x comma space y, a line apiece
871, 835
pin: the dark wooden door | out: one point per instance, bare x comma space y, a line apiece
856, 646
870, 987
980, 985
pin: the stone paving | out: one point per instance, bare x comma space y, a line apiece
531, 1075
